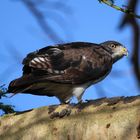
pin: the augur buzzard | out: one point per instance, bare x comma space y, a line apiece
66, 70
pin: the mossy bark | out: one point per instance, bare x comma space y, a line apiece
102, 119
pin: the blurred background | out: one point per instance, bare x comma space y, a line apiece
28, 25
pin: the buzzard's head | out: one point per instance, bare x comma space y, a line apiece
116, 49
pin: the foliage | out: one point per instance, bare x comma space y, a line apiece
6, 108
3, 107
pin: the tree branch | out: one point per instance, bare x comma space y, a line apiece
128, 11
102, 119
130, 20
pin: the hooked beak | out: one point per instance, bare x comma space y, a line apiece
125, 51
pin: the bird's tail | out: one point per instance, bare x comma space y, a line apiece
18, 86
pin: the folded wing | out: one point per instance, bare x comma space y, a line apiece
72, 63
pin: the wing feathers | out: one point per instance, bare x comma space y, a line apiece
68, 64
40, 62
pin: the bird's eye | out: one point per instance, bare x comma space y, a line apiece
113, 45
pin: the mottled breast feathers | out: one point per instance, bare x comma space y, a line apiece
75, 63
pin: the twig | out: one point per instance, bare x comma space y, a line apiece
127, 20
127, 11
41, 20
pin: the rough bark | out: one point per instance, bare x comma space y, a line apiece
102, 119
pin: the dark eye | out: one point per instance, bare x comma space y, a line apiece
113, 45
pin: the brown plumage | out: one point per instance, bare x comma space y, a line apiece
68, 69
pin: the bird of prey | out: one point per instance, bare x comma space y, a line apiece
67, 70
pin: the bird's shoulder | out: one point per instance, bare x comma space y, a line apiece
57, 50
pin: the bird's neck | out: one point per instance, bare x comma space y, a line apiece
116, 58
